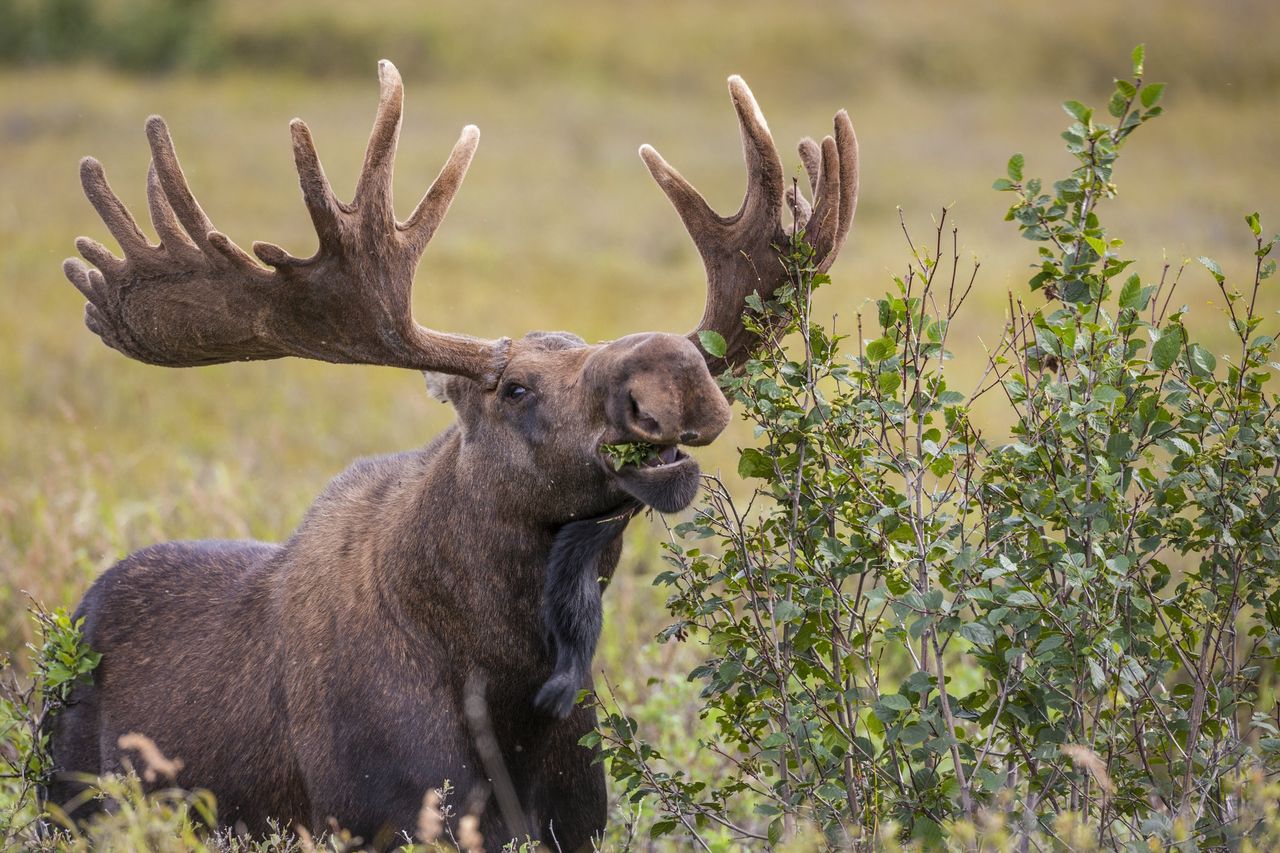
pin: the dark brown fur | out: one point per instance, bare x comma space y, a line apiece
329, 677
326, 677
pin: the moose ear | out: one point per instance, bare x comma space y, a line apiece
437, 385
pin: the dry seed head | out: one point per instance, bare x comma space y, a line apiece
156, 764
469, 837
1083, 756
430, 818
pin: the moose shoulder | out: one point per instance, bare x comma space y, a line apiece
337, 675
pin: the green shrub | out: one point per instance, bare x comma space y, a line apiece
157, 35
138, 35
60, 662
917, 632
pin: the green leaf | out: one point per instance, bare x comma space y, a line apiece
1002, 185
1151, 94
1016, 162
1096, 675
895, 702
1107, 394
978, 634
1131, 294
942, 466
1118, 104
754, 463
662, 827
1254, 223
927, 832
627, 453
914, 733
1119, 445
1212, 266
713, 342
1078, 111
787, 611
1165, 351
1075, 291
881, 348
1202, 360
1139, 54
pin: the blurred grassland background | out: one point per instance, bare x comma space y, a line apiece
558, 225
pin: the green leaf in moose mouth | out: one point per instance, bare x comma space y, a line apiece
628, 453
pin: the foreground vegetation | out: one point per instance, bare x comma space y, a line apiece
916, 621
99, 456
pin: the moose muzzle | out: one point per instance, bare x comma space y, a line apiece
658, 390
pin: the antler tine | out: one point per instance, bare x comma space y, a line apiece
847, 151
704, 225
174, 184
373, 190
800, 209
811, 156
797, 204
762, 204
114, 215
168, 229
427, 216
823, 224
322, 205
317, 194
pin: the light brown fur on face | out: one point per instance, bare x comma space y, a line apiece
329, 677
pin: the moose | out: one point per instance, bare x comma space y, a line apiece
434, 615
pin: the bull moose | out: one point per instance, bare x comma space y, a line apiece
332, 677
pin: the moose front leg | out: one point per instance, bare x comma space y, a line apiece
378, 794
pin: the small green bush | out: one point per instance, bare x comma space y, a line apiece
920, 633
60, 662
136, 35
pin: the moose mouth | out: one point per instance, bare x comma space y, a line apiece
667, 480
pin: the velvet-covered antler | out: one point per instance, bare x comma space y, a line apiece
196, 298
740, 252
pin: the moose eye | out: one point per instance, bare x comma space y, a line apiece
514, 391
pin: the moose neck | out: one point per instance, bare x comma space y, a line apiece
447, 545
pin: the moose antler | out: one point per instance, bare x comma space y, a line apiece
196, 298
740, 252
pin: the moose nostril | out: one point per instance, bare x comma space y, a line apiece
688, 436
641, 419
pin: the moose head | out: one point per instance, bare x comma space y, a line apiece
346, 652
